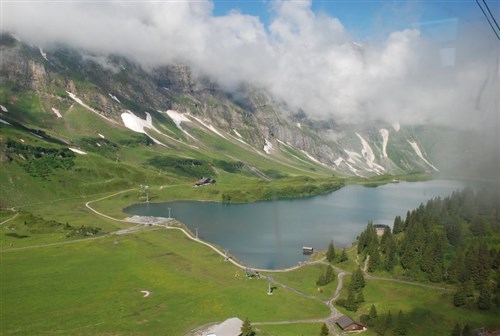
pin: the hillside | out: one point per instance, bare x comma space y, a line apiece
170, 123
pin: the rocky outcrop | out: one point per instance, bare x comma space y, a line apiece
113, 84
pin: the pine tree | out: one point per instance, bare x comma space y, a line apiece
360, 297
466, 331
373, 312
400, 329
398, 225
385, 238
246, 328
388, 321
327, 277
374, 261
357, 280
456, 330
330, 252
459, 297
484, 300
390, 255
456, 271
484, 263
343, 256
469, 288
330, 274
324, 330
350, 303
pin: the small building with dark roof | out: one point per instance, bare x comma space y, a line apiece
230, 327
348, 324
380, 229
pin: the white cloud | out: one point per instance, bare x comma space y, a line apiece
306, 59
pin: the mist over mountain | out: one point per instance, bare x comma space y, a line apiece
302, 78
307, 60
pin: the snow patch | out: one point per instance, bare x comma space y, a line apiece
299, 125
353, 156
114, 97
79, 101
338, 161
369, 156
102, 136
22, 140
396, 126
4, 109
289, 145
178, 118
56, 112
236, 132
268, 147
310, 156
385, 138
351, 168
5, 122
239, 140
136, 124
420, 155
44, 54
210, 127
77, 151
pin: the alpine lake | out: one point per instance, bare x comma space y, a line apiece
271, 234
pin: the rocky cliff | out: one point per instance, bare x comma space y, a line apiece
112, 86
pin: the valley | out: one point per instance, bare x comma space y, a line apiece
83, 136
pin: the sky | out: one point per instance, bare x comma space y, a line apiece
411, 62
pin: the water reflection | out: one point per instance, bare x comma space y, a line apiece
271, 234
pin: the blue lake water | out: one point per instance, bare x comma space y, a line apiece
271, 234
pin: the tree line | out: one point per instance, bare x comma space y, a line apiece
452, 240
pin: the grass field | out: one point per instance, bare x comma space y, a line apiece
93, 288
296, 329
428, 311
304, 279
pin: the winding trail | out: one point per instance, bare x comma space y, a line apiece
406, 282
9, 219
334, 313
167, 224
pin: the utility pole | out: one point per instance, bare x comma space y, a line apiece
196, 233
269, 290
169, 213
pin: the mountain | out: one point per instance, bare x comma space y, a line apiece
173, 120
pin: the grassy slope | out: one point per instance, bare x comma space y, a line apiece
93, 288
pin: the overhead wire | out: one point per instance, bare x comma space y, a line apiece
488, 19
491, 14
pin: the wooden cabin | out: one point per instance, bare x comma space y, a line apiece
349, 325
380, 229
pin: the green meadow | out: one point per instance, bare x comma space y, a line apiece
94, 287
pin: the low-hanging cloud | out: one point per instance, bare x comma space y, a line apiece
306, 59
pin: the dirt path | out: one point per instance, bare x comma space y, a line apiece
334, 313
406, 282
9, 219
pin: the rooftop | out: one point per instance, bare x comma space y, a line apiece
230, 327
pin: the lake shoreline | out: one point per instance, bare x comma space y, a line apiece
271, 234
